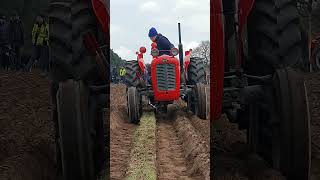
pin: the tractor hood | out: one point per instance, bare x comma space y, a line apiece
165, 73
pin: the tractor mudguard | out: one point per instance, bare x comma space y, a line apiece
218, 49
186, 63
218, 54
245, 8
141, 62
101, 9
142, 65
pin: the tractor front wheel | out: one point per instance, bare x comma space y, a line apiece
197, 101
134, 105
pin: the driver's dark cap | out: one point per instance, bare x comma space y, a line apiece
153, 32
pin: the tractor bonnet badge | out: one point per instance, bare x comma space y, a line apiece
164, 61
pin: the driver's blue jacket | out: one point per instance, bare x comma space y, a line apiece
163, 45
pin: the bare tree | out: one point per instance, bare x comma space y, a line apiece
202, 51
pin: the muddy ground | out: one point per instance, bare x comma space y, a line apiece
26, 137
182, 149
232, 160
26, 132
121, 133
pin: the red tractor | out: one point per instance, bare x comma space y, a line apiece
79, 43
170, 79
256, 52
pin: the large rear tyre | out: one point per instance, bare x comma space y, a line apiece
76, 144
274, 37
293, 136
133, 74
274, 41
133, 105
80, 153
69, 21
196, 71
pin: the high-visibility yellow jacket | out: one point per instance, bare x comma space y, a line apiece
40, 34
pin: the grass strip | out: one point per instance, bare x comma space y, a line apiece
142, 165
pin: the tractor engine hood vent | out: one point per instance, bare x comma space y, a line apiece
166, 77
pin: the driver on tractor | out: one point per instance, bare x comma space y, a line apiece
163, 44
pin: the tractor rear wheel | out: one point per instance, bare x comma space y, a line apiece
134, 105
133, 72
196, 71
81, 145
293, 137
274, 41
69, 21
274, 37
75, 129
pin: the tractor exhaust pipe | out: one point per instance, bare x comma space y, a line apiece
180, 49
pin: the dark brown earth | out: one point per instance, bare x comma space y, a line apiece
171, 162
26, 132
121, 133
232, 159
182, 149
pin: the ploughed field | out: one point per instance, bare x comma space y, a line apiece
179, 143
26, 132
181, 140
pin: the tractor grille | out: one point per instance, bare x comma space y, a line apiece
166, 77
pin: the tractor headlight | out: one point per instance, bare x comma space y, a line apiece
174, 51
154, 52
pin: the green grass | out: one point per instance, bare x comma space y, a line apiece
143, 153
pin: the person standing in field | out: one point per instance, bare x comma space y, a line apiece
16, 38
4, 41
40, 42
